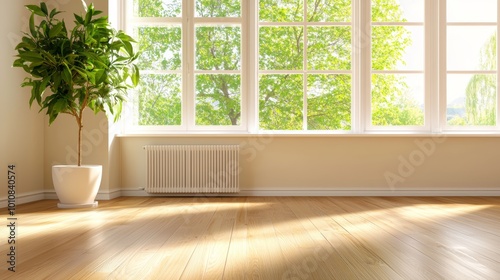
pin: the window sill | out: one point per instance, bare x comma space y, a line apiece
295, 134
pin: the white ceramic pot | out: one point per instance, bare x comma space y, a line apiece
76, 186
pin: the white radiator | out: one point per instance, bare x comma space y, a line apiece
192, 168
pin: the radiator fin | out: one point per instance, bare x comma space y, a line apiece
192, 168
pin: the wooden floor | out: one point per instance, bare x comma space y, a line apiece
259, 238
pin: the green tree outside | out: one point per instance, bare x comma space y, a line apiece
281, 47
481, 91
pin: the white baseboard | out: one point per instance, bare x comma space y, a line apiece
370, 193
111, 194
23, 198
101, 195
141, 192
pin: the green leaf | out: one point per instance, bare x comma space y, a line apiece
23, 45
56, 82
118, 111
54, 12
31, 56
18, 63
45, 27
91, 77
52, 117
135, 76
102, 21
124, 37
36, 10
88, 16
29, 41
56, 30
66, 75
45, 83
43, 7
128, 48
35, 91
32, 26
49, 57
79, 19
82, 73
60, 105
100, 76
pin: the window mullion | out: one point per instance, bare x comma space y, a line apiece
432, 72
442, 75
250, 84
364, 71
304, 68
498, 65
355, 68
188, 53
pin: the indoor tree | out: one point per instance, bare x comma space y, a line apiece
88, 66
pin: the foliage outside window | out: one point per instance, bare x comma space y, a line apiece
312, 65
471, 66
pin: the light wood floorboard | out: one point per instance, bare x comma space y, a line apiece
258, 238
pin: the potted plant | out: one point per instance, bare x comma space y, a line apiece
89, 66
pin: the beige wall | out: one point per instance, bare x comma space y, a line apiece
344, 163
21, 129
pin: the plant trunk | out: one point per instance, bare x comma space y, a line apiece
80, 127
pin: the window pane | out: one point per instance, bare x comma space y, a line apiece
398, 10
329, 48
471, 11
157, 8
218, 48
391, 46
398, 48
159, 99
471, 99
281, 102
471, 48
281, 48
329, 102
160, 48
218, 8
281, 10
218, 99
329, 11
397, 99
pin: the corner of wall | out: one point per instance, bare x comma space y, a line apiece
21, 127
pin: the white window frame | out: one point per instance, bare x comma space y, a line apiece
443, 71
188, 22
435, 73
367, 71
192, 21
305, 71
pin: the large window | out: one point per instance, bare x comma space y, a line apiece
305, 58
471, 63
157, 26
191, 63
323, 66
397, 63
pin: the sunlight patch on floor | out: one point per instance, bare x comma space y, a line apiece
438, 210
